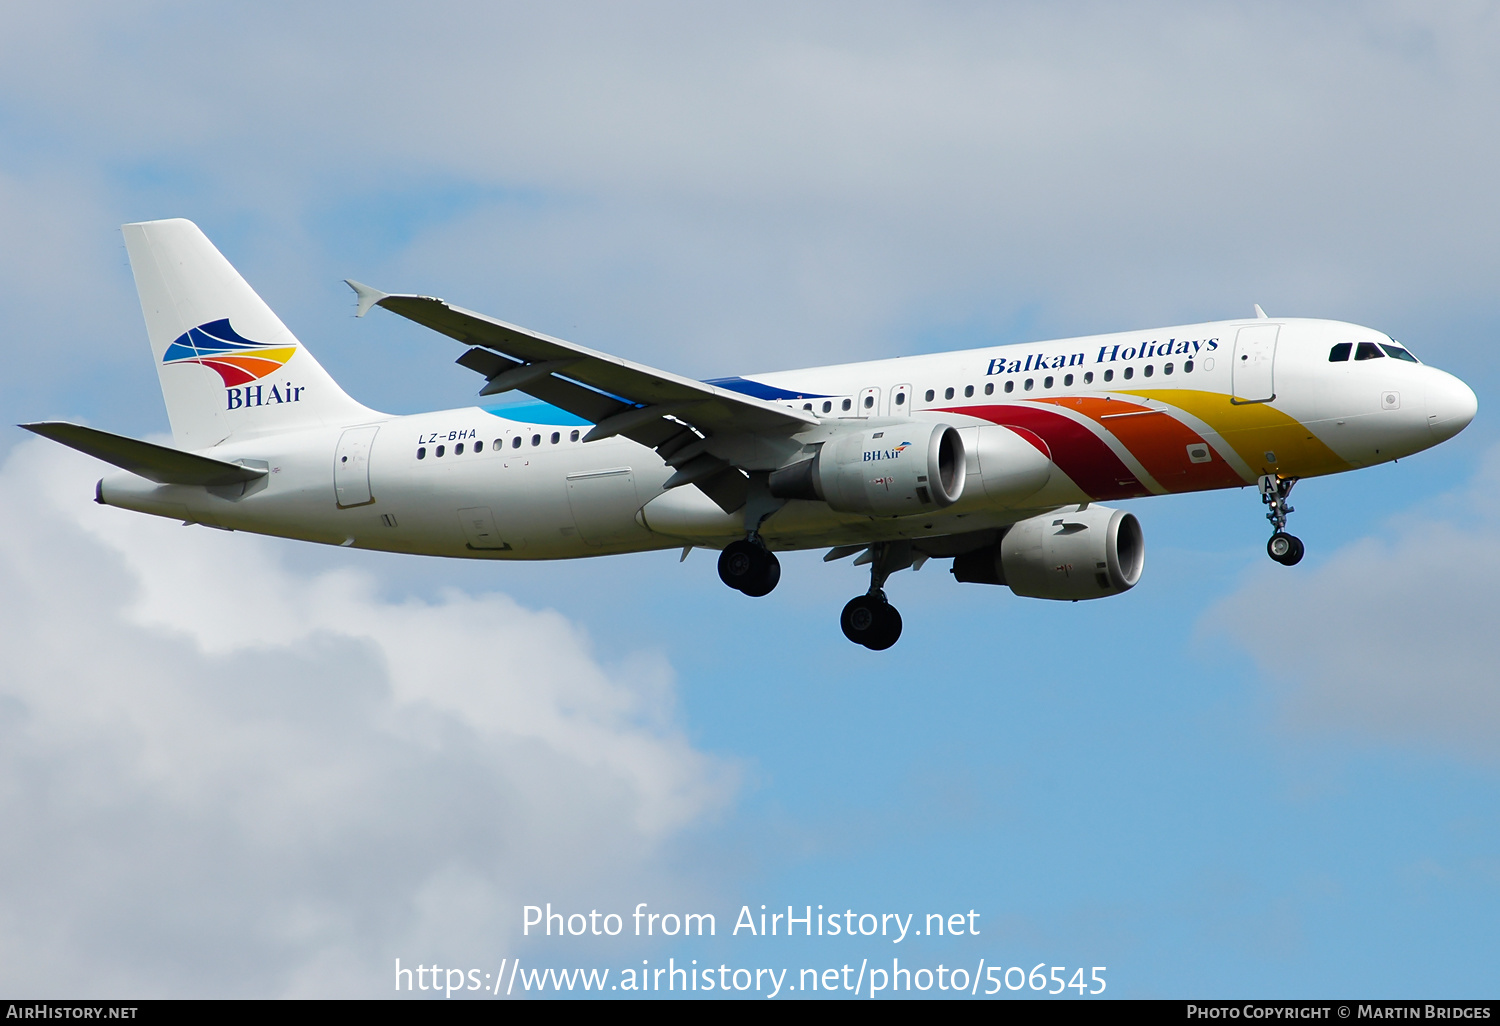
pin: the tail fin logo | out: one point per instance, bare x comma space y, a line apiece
236, 359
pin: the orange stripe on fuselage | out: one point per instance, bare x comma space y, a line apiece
1158, 440
1257, 431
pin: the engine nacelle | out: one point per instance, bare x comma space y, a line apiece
889, 470
1082, 554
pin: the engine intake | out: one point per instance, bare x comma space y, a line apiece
1082, 554
887, 471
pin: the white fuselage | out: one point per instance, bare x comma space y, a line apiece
493, 484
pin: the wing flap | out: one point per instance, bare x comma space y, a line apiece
153, 462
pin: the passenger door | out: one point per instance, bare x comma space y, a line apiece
1252, 379
351, 467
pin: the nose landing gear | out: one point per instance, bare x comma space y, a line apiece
1285, 548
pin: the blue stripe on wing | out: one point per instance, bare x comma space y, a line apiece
759, 390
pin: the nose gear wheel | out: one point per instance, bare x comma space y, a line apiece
1284, 548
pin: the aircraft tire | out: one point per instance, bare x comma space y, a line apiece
889, 629
770, 575
871, 621
1286, 549
742, 564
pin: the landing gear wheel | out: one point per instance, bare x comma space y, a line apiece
871, 621
1285, 548
770, 575
750, 568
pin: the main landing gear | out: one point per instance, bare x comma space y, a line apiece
869, 619
747, 565
750, 567
1285, 548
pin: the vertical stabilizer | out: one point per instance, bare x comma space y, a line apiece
228, 366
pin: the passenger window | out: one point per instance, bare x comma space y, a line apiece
1047, 383
1166, 368
1368, 351
900, 398
968, 391
1010, 386
847, 404
828, 407
1109, 375
947, 393
438, 451
479, 447
422, 452
458, 450
515, 443
1088, 377
1187, 367
807, 407
869, 401
989, 388
1150, 370
1029, 383
1129, 373
498, 443
930, 394
536, 439
556, 437
573, 437
1340, 352
1068, 381
1399, 353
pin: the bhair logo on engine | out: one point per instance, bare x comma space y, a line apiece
238, 361
886, 454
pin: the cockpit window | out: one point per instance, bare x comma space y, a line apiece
1399, 353
1368, 351
1340, 352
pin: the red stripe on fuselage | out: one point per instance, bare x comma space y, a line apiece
1076, 450
1159, 440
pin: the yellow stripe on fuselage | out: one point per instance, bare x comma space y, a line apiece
1255, 430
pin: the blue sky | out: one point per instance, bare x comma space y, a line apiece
275, 768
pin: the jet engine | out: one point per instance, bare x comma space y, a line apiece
892, 470
1082, 553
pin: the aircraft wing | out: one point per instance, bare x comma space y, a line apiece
656, 408
154, 462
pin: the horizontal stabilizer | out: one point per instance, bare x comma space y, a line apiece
153, 462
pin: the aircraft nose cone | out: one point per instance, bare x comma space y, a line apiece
1451, 404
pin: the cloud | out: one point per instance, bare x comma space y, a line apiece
221, 775
1393, 637
708, 179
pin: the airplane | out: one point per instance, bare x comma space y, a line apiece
996, 458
